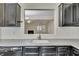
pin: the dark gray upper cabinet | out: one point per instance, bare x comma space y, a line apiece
76, 14
1, 14
61, 22
18, 15
69, 14
10, 14
67, 10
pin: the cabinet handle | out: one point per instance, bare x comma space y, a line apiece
19, 21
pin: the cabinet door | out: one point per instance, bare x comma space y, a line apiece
75, 51
67, 8
48, 51
76, 13
10, 51
30, 51
1, 14
60, 15
18, 15
10, 14
63, 51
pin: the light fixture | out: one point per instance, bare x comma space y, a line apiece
28, 21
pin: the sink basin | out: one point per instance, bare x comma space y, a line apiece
40, 41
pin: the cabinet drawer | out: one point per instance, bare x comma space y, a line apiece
63, 54
10, 48
30, 49
30, 54
48, 54
62, 51
63, 48
48, 49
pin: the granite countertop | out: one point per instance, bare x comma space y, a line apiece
53, 42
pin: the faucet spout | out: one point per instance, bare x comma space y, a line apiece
39, 37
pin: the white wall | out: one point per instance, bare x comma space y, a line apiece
51, 27
62, 32
18, 32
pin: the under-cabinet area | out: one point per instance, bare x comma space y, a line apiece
39, 51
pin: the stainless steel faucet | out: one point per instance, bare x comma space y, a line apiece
39, 37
